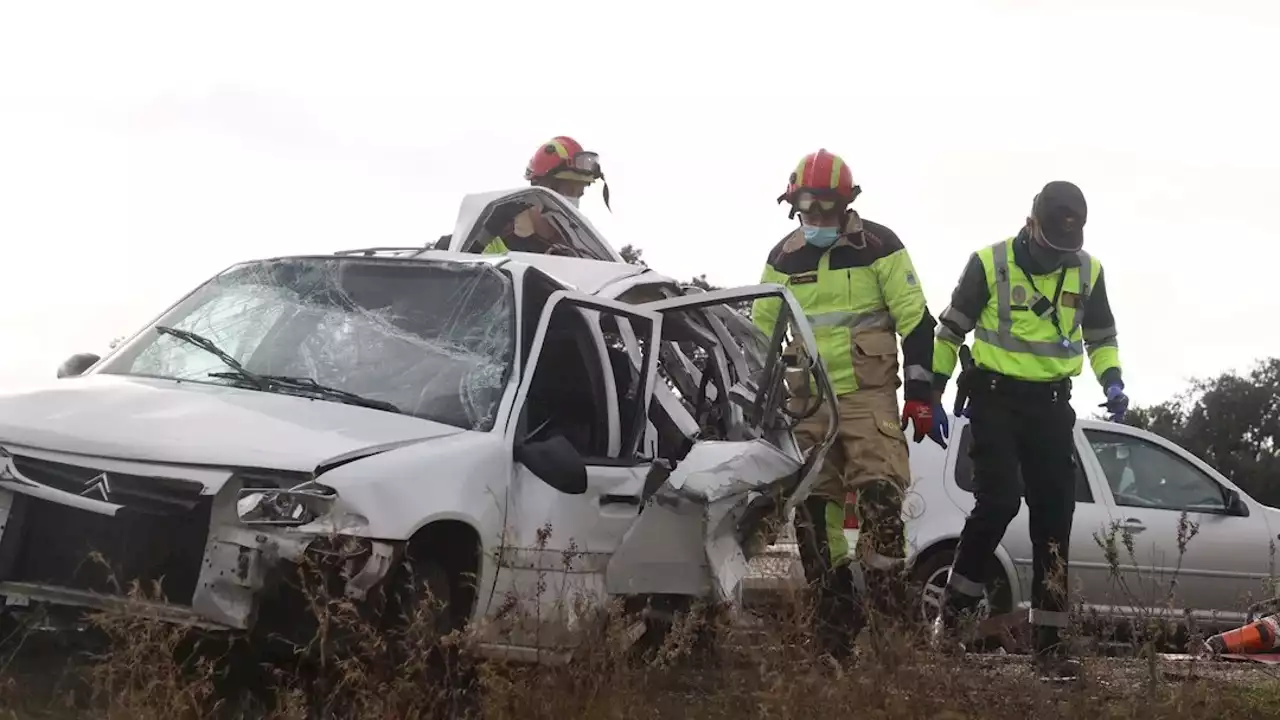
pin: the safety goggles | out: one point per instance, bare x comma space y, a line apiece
587, 163
808, 202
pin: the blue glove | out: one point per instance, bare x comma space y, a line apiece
1117, 402
941, 429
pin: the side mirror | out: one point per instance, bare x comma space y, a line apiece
556, 462
1236, 505
77, 364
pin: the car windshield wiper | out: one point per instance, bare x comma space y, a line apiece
209, 346
306, 383
277, 383
272, 383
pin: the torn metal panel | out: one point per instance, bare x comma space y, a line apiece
382, 558
717, 469
686, 540
236, 562
728, 566
662, 552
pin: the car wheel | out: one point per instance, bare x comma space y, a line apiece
421, 611
421, 586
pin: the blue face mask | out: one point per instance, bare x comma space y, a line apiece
822, 237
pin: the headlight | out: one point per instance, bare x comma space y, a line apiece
295, 506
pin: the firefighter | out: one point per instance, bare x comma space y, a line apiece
857, 285
560, 164
1036, 304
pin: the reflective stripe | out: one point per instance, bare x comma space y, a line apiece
1048, 618
871, 320
837, 543
1003, 338
1111, 342
917, 372
1000, 261
957, 318
945, 333
964, 585
1086, 272
876, 561
1093, 336
1041, 348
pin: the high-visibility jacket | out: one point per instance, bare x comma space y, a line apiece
495, 247
856, 295
1028, 324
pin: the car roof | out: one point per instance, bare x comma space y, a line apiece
582, 274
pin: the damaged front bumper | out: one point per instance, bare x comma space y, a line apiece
241, 569
166, 550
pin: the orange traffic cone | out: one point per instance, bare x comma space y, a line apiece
1260, 636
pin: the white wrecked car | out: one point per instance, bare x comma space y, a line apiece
494, 424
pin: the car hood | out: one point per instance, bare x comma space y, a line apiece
167, 421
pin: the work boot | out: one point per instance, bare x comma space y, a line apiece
840, 616
1055, 667
954, 626
1051, 659
889, 612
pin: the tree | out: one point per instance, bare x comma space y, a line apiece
632, 254
1232, 422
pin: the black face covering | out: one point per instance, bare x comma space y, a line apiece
1046, 258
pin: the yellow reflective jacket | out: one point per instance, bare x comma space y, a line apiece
857, 295
1029, 325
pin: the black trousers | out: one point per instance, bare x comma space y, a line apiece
1023, 443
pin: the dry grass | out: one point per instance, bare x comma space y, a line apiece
707, 666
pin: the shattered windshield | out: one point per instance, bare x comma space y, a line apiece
433, 339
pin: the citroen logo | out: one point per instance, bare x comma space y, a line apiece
100, 485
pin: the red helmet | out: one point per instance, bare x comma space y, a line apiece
563, 157
823, 178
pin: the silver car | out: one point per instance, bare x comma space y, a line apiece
1131, 484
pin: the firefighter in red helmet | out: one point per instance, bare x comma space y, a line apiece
859, 291
560, 164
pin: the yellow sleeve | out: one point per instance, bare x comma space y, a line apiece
764, 311
902, 292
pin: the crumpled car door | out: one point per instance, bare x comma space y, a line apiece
723, 393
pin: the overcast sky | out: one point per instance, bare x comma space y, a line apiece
144, 147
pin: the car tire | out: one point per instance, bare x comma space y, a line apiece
416, 583
929, 577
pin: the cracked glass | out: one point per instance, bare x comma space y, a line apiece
433, 339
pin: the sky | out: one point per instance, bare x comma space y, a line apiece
146, 146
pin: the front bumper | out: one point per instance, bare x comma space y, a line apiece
155, 547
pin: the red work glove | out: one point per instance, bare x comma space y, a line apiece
919, 413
